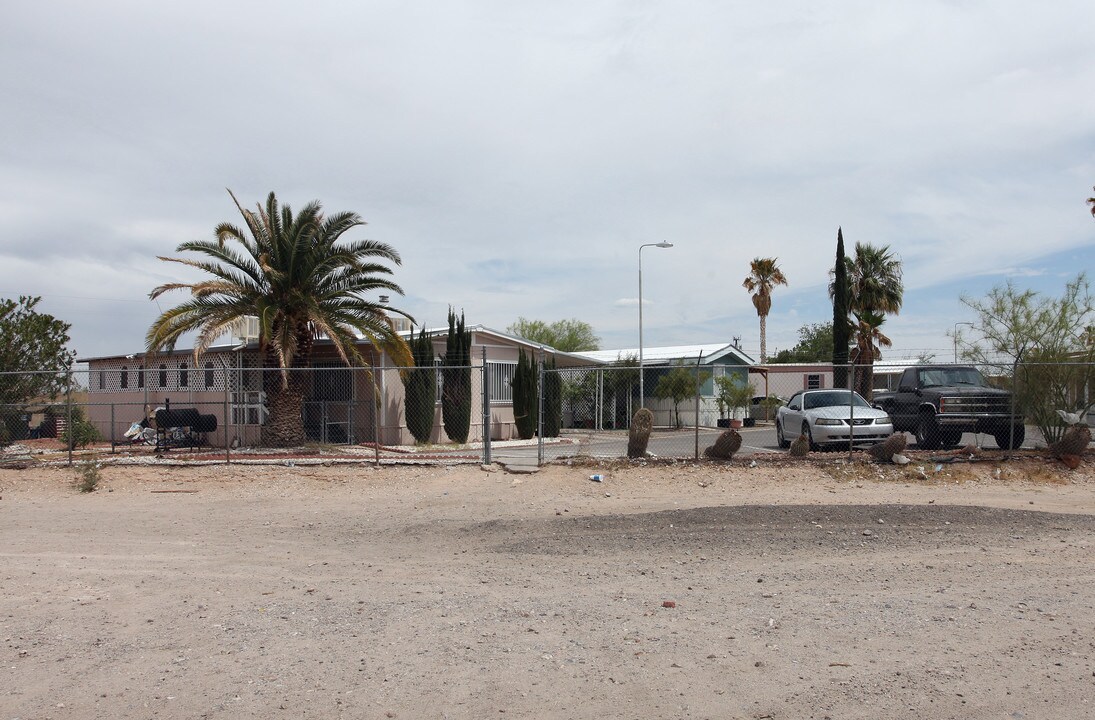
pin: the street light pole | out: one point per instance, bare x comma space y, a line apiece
956, 338
642, 394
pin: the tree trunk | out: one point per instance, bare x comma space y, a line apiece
763, 338
285, 424
864, 378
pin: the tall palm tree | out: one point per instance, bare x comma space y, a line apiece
764, 275
874, 278
875, 290
869, 341
302, 280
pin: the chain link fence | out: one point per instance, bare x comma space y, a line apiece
491, 412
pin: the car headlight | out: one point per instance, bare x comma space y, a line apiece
828, 421
883, 420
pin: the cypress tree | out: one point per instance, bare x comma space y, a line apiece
841, 336
524, 396
553, 400
420, 388
456, 381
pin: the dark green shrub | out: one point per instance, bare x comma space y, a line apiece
456, 381
420, 389
525, 402
553, 400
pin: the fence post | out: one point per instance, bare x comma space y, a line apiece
851, 413
377, 401
1014, 389
697, 419
112, 447
70, 437
227, 442
540, 413
486, 410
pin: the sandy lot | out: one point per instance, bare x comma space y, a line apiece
789, 590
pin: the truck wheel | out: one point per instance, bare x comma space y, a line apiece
951, 438
927, 432
1003, 437
783, 442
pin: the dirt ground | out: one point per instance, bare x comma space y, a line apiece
817, 589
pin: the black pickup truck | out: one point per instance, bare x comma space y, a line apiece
938, 403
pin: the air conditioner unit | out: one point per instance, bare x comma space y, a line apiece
246, 329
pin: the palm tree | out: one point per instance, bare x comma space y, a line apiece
869, 341
874, 278
876, 289
764, 275
301, 280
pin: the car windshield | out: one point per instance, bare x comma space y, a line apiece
831, 398
952, 376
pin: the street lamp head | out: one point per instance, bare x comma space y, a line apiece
663, 244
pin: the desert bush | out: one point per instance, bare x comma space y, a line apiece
87, 475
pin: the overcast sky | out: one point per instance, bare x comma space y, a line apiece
518, 154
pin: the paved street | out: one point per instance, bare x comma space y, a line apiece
680, 443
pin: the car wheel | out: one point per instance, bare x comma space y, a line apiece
1004, 439
783, 442
927, 432
809, 436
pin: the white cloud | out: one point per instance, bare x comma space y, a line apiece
518, 155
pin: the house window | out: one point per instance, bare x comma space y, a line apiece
184, 375
102, 379
210, 376
814, 381
248, 407
140, 376
163, 376
123, 381
500, 376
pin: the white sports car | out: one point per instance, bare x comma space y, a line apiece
827, 416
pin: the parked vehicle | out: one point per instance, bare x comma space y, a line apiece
829, 417
938, 403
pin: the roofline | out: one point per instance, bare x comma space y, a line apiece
165, 353
406, 334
